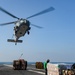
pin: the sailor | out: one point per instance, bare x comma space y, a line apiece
45, 66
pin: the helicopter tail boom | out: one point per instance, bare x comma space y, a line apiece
12, 40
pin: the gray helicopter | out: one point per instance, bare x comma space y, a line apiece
22, 26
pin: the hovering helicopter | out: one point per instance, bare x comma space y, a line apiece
22, 26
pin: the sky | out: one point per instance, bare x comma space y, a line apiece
55, 41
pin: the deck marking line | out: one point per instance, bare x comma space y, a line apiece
8, 65
37, 72
35, 68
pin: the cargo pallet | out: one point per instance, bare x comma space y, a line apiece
20, 64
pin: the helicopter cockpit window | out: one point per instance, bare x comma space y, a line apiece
17, 24
21, 21
25, 21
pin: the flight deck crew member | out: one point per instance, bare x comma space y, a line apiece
45, 66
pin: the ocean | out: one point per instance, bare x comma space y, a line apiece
67, 64
9, 63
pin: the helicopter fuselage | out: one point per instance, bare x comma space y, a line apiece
21, 27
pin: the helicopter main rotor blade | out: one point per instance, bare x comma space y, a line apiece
8, 13
36, 26
42, 12
7, 23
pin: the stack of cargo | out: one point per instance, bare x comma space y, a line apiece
39, 65
59, 69
52, 69
68, 72
20, 64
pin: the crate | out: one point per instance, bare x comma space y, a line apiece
20, 64
52, 69
39, 65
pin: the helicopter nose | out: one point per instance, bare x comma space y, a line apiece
28, 23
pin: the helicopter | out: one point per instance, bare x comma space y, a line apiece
22, 26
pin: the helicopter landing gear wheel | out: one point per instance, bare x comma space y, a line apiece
28, 32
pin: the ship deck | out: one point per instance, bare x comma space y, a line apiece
31, 70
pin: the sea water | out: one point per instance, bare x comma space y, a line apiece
43, 62
67, 64
10, 63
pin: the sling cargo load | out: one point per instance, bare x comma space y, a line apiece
20, 64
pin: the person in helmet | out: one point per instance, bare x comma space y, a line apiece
45, 66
